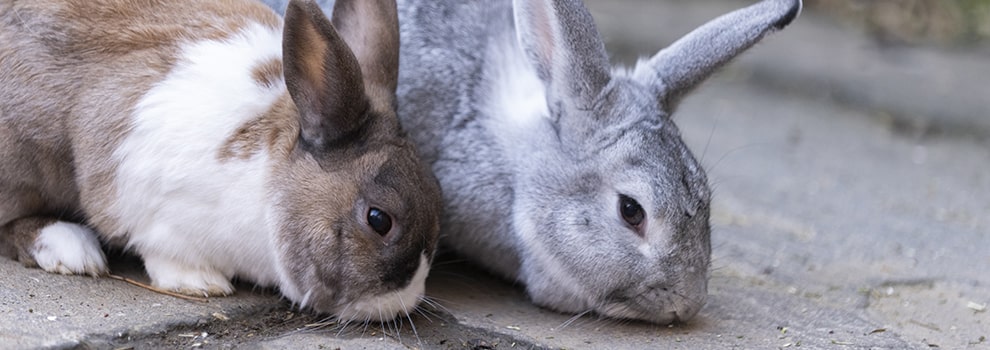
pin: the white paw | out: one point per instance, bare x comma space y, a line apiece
173, 276
68, 248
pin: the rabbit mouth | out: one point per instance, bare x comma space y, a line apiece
391, 304
662, 305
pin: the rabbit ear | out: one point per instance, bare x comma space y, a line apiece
679, 68
371, 28
323, 77
560, 39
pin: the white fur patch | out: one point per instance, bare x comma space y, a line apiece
68, 248
199, 218
390, 305
518, 102
519, 119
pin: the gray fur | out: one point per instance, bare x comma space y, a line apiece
538, 203
687, 62
535, 198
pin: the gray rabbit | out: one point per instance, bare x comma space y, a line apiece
559, 171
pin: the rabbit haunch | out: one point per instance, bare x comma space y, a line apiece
173, 129
559, 171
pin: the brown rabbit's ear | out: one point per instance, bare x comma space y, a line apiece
323, 77
371, 27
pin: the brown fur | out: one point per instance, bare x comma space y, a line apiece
117, 49
268, 73
71, 72
311, 50
361, 163
22, 235
272, 131
376, 50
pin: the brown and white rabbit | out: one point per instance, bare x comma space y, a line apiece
215, 141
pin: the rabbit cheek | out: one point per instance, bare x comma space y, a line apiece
549, 276
679, 287
314, 264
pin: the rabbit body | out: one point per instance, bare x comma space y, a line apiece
558, 170
169, 128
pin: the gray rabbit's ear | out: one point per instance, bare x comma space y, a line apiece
560, 39
679, 68
371, 29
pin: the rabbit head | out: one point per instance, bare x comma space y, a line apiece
357, 211
610, 207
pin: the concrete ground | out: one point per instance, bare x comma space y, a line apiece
851, 211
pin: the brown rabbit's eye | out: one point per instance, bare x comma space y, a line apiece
379, 221
631, 211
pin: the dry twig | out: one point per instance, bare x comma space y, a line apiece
157, 290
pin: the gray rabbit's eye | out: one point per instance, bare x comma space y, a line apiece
631, 211
379, 221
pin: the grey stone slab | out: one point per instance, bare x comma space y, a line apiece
43, 310
742, 312
847, 209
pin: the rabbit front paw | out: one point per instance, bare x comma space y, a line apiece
69, 249
195, 281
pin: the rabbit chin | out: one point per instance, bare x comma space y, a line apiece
679, 309
661, 303
658, 304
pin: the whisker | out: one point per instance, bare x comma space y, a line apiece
396, 326
709, 142
460, 279
734, 150
572, 319
321, 323
423, 314
382, 323
408, 317
449, 262
426, 313
348, 320
367, 324
436, 303
606, 321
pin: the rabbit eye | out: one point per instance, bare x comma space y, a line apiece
631, 211
379, 221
